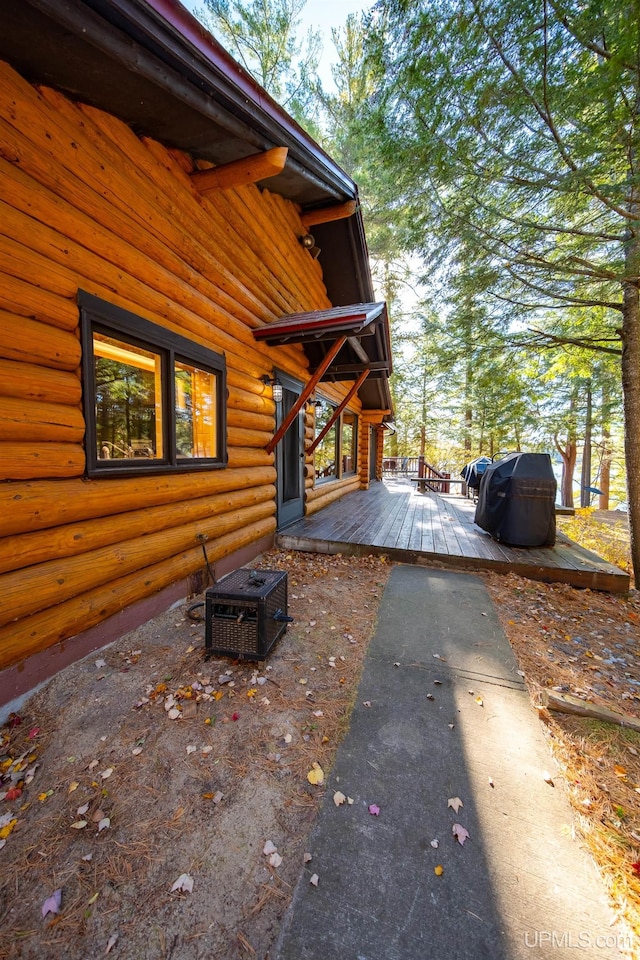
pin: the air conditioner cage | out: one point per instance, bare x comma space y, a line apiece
246, 614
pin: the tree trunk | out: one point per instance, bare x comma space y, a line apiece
569, 455
631, 391
605, 463
585, 476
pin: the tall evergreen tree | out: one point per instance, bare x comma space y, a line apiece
514, 127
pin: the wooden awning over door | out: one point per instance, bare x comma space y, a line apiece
364, 328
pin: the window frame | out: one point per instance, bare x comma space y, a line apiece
100, 316
340, 473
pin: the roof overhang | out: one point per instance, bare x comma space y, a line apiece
365, 329
154, 66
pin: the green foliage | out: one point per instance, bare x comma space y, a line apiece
263, 36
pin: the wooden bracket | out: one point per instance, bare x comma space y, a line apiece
327, 214
238, 173
308, 390
336, 413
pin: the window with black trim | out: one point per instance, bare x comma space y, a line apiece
153, 400
348, 443
336, 454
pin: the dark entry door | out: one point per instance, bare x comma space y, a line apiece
290, 457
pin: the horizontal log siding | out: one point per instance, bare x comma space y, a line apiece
85, 204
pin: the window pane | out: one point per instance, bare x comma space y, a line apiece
195, 412
348, 450
128, 400
325, 452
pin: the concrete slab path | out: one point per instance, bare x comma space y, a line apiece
521, 886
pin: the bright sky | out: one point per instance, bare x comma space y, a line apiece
321, 15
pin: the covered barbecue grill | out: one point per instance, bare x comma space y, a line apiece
516, 500
473, 472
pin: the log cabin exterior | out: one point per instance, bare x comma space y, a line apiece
171, 243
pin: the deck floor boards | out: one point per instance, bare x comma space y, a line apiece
394, 518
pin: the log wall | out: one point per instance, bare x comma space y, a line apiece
87, 205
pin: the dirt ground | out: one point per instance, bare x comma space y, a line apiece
147, 762
147, 767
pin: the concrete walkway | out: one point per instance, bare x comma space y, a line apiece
520, 886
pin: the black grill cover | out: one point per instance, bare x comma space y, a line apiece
516, 500
472, 473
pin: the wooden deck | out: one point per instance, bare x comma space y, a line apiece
394, 519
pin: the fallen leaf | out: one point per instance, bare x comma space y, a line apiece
439, 870
619, 770
275, 859
374, 809
111, 943
174, 713
548, 779
13, 793
455, 803
136, 751
269, 848
92, 899
459, 833
52, 903
191, 748
7, 827
435, 844
235, 716
106, 773
82, 810
79, 824
339, 798
316, 774
308, 858
480, 701
104, 824
184, 883
314, 880
73, 786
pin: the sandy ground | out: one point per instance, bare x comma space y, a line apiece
141, 786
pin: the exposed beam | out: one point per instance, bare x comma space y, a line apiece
336, 413
373, 366
238, 173
307, 391
326, 214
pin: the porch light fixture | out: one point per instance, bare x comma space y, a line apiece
276, 387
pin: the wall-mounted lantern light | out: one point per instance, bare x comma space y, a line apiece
276, 387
